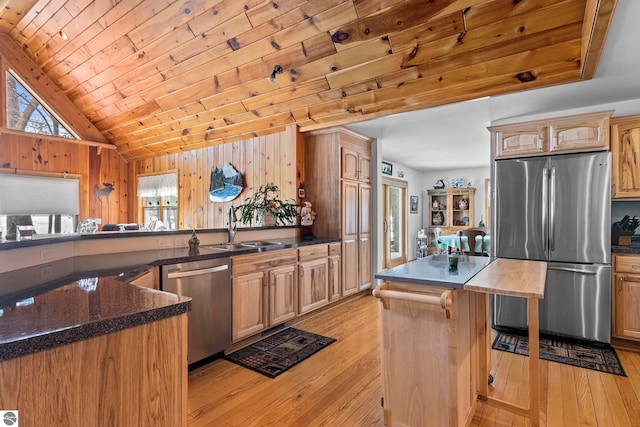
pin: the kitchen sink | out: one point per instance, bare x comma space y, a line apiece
243, 245
261, 243
230, 246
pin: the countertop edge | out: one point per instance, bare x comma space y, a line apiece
18, 348
417, 281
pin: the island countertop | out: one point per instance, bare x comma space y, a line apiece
434, 270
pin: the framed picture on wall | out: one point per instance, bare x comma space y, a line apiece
413, 204
387, 168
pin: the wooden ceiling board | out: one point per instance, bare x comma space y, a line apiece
160, 76
13, 12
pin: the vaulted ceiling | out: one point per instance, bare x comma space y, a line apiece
161, 76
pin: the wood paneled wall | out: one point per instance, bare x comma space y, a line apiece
260, 160
23, 153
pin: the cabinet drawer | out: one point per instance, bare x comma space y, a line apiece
334, 249
312, 252
262, 261
627, 264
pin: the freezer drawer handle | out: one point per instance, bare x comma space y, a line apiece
177, 273
573, 270
444, 300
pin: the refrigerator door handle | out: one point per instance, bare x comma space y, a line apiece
552, 210
545, 198
573, 270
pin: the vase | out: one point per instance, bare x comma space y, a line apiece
265, 219
438, 218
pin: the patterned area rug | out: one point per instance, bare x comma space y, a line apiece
596, 356
275, 354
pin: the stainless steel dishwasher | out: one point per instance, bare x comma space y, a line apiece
208, 283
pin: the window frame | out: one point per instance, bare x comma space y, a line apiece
4, 105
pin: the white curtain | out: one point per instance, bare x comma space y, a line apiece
158, 185
39, 195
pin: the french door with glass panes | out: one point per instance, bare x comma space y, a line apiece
394, 225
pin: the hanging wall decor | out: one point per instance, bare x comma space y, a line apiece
226, 184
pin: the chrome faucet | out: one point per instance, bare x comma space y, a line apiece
232, 224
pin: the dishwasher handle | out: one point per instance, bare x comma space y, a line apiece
177, 273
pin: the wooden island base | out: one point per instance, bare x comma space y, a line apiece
428, 338
436, 341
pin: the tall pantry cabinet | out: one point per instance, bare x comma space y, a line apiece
337, 182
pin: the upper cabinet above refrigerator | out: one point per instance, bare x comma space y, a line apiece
625, 152
571, 134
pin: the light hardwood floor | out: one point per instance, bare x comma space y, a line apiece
341, 385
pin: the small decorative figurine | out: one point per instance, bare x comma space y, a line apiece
307, 216
194, 244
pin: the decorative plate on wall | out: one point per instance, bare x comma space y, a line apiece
226, 184
456, 182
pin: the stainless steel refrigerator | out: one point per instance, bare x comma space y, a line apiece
558, 209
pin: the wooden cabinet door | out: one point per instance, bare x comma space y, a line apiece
349, 164
350, 268
364, 167
364, 236
627, 301
335, 278
312, 284
248, 305
625, 153
349, 208
364, 260
282, 294
349, 237
520, 140
580, 133
364, 209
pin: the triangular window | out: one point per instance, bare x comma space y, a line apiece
27, 113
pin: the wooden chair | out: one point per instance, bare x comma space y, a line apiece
471, 234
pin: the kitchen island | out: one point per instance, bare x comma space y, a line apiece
435, 332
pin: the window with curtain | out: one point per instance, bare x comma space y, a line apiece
161, 185
159, 201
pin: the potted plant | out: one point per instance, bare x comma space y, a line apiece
265, 205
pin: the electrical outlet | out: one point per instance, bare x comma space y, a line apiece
164, 254
46, 254
180, 241
46, 271
164, 243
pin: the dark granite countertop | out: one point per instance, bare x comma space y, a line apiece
60, 302
434, 270
616, 249
80, 310
38, 240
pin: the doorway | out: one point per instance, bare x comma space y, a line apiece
394, 222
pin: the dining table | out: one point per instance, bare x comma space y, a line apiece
451, 242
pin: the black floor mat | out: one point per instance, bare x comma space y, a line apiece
596, 356
275, 354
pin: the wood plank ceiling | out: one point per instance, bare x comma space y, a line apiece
161, 76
